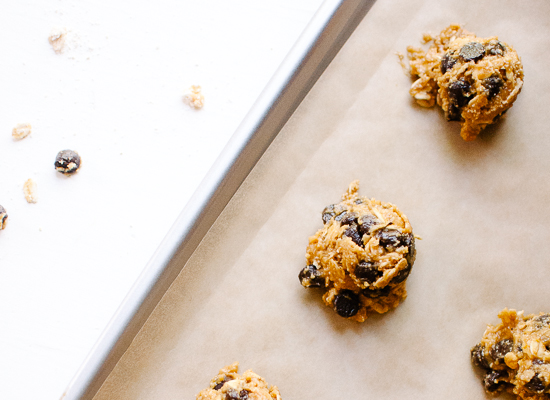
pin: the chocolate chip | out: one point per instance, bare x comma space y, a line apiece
500, 349
243, 394
411, 253
494, 379
391, 239
355, 236
447, 63
366, 222
348, 218
3, 218
367, 272
472, 51
233, 395
310, 276
347, 303
220, 384
402, 275
388, 238
459, 92
477, 355
542, 321
459, 96
536, 384
493, 85
332, 211
495, 48
373, 293
67, 161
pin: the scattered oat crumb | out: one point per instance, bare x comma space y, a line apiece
193, 97
427, 37
57, 39
21, 131
401, 57
29, 189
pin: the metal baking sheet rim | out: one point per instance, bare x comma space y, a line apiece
326, 33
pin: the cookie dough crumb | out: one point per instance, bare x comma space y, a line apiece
57, 39
67, 162
362, 256
229, 385
515, 355
3, 218
29, 189
21, 131
193, 97
474, 80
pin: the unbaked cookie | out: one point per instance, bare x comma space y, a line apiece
362, 256
515, 355
474, 80
229, 385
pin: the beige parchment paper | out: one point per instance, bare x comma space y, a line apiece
482, 209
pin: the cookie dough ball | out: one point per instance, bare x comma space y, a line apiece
229, 385
474, 80
362, 256
515, 355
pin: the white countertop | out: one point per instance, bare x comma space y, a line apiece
115, 96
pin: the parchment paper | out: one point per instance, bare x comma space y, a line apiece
481, 208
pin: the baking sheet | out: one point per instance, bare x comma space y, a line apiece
480, 207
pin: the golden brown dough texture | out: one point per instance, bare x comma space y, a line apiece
362, 256
474, 80
229, 385
515, 355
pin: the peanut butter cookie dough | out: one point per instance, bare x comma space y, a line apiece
474, 80
362, 256
229, 385
515, 355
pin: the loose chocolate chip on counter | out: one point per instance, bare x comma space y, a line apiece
346, 303
310, 276
495, 48
493, 85
67, 161
536, 384
355, 236
500, 349
477, 355
494, 379
332, 211
376, 292
367, 272
472, 51
366, 222
3, 218
447, 63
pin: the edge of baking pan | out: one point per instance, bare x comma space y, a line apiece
326, 33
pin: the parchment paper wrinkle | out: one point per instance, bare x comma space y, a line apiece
481, 208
